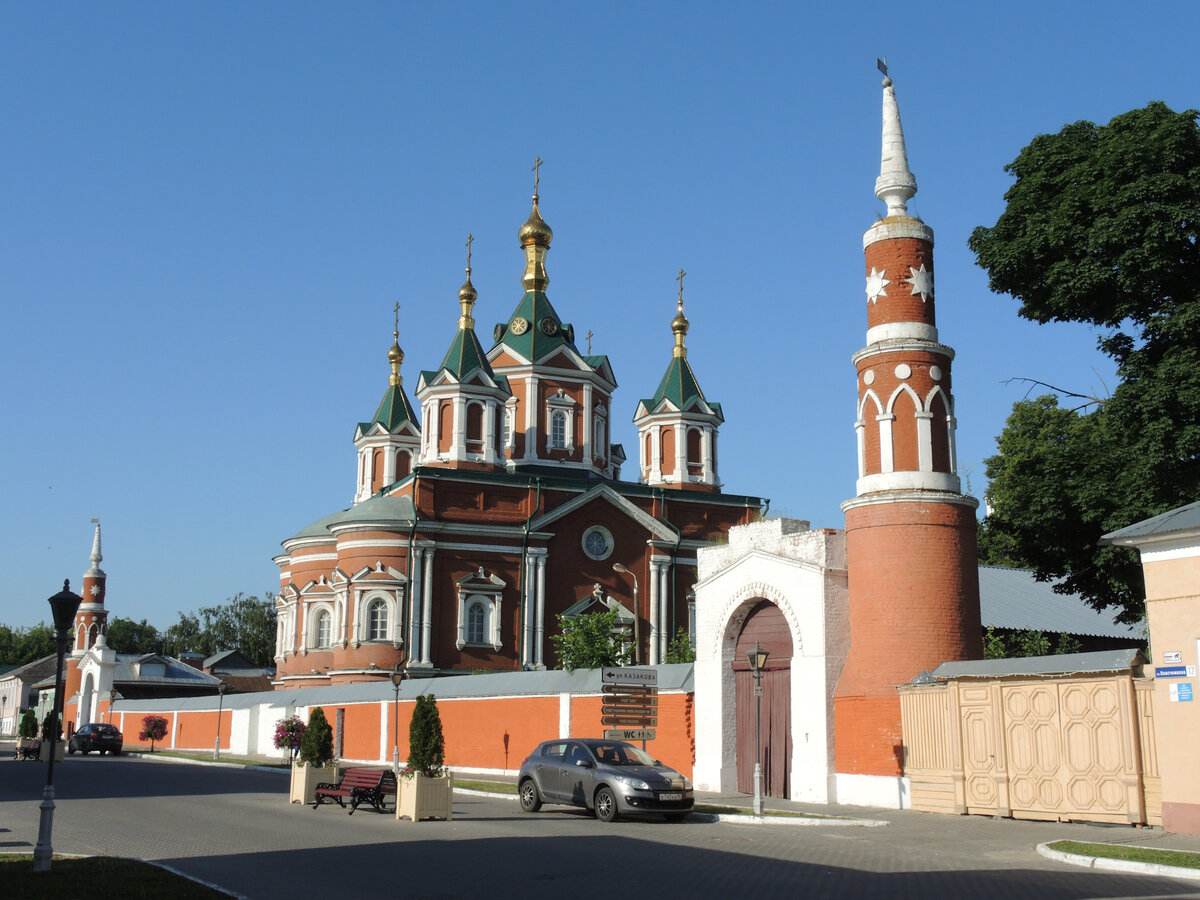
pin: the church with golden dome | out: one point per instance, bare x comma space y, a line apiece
500, 505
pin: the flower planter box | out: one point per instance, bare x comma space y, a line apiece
60, 751
306, 778
419, 797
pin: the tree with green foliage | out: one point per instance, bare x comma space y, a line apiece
316, 747
28, 727
243, 623
999, 644
680, 650
128, 636
426, 744
1101, 227
19, 646
590, 641
48, 726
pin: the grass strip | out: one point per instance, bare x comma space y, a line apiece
207, 757
492, 787
97, 878
1182, 859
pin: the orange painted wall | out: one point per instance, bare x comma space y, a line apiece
675, 741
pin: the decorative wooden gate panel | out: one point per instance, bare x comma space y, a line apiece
1054, 748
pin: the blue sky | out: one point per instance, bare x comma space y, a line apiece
208, 210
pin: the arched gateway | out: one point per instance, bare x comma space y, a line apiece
784, 585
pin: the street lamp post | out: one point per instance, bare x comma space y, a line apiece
637, 641
758, 659
63, 606
113, 697
222, 687
397, 676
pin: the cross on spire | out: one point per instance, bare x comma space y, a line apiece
537, 164
679, 278
589, 340
396, 320
470, 241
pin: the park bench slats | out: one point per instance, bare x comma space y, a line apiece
359, 786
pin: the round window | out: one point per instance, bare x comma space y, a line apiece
598, 542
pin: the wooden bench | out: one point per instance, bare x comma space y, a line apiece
28, 748
360, 786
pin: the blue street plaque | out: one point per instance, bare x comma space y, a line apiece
1170, 672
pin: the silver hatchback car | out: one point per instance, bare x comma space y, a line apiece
610, 777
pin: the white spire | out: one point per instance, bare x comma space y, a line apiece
895, 184
96, 556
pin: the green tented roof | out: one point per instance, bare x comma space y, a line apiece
394, 410
534, 343
678, 385
466, 355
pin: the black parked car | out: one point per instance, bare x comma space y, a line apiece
97, 736
610, 777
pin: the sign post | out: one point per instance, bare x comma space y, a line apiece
630, 703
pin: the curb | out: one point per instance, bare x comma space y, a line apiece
1118, 865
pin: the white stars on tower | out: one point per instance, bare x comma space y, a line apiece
921, 281
95, 590
876, 284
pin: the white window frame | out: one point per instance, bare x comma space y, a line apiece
492, 602
608, 542
562, 402
312, 617
362, 629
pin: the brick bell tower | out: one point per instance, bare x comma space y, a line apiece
91, 620
910, 531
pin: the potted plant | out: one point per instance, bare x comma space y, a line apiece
425, 788
27, 730
289, 733
48, 728
314, 763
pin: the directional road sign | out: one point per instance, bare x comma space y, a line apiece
629, 675
629, 734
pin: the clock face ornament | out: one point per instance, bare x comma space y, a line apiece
520, 325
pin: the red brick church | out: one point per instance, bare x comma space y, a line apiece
500, 505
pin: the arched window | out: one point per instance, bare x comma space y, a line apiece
377, 615
695, 464
558, 429
475, 427
324, 621
666, 450
476, 623
403, 463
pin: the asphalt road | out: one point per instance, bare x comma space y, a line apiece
235, 828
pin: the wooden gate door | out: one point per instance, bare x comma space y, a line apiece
767, 626
982, 754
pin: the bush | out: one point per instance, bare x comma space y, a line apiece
316, 747
680, 650
426, 745
289, 733
48, 730
28, 727
154, 728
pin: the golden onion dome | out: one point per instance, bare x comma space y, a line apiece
467, 293
535, 230
395, 354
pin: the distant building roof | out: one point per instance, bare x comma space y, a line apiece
1015, 599
1166, 525
141, 668
34, 672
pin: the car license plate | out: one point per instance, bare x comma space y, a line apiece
671, 795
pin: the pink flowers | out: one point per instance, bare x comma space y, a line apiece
289, 733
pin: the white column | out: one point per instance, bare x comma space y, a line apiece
532, 401
653, 602
588, 413
655, 475
527, 593
426, 606
951, 429
860, 430
681, 467
886, 459
489, 431
458, 449
415, 577
924, 441
540, 624
709, 476
664, 609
